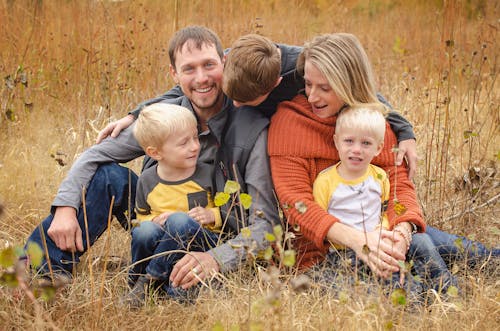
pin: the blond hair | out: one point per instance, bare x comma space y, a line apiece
158, 121
252, 68
340, 57
367, 118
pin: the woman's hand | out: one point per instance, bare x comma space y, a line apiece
408, 148
375, 248
202, 215
379, 254
113, 129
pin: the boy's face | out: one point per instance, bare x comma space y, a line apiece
199, 74
356, 151
179, 152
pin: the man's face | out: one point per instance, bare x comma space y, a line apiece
199, 74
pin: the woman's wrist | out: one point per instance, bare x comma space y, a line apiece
405, 229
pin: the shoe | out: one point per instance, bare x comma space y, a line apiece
137, 295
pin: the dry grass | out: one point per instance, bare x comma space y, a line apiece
84, 63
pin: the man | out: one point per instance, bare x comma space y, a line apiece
235, 150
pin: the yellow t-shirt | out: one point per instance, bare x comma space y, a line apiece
360, 203
155, 196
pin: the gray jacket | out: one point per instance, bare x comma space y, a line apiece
257, 181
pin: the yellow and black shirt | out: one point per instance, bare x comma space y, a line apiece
155, 196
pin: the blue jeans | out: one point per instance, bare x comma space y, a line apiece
343, 267
454, 248
429, 265
179, 233
110, 180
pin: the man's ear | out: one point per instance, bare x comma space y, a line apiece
173, 73
223, 60
153, 153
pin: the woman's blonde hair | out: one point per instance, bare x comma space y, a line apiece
158, 121
340, 57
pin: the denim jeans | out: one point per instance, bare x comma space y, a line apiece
179, 233
342, 268
110, 180
454, 248
429, 265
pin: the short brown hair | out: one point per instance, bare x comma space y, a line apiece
252, 68
199, 35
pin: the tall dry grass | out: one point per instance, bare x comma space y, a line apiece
69, 67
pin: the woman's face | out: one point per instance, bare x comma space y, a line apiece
324, 101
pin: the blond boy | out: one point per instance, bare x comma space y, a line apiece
174, 204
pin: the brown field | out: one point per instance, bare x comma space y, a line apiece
70, 67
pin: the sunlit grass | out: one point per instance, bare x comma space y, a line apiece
70, 67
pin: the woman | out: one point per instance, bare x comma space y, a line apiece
337, 73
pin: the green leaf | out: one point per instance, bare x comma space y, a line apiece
270, 237
9, 113
268, 253
468, 134
9, 279
246, 200
218, 326
398, 297
399, 208
35, 253
343, 297
301, 207
289, 257
221, 198
47, 293
231, 187
246, 233
8, 257
452, 291
278, 231
459, 244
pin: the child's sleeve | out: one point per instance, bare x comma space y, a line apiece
218, 219
142, 208
321, 191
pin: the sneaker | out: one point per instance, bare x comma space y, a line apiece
137, 295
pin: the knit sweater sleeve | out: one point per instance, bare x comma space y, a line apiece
403, 204
293, 187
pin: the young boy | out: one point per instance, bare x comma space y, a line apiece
353, 190
170, 196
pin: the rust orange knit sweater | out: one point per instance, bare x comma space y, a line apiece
300, 146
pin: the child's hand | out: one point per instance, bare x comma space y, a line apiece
162, 218
202, 215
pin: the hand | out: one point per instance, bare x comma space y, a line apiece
113, 129
162, 218
193, 268
381, 258
409, 148
65, 230
400, 245
202, 215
